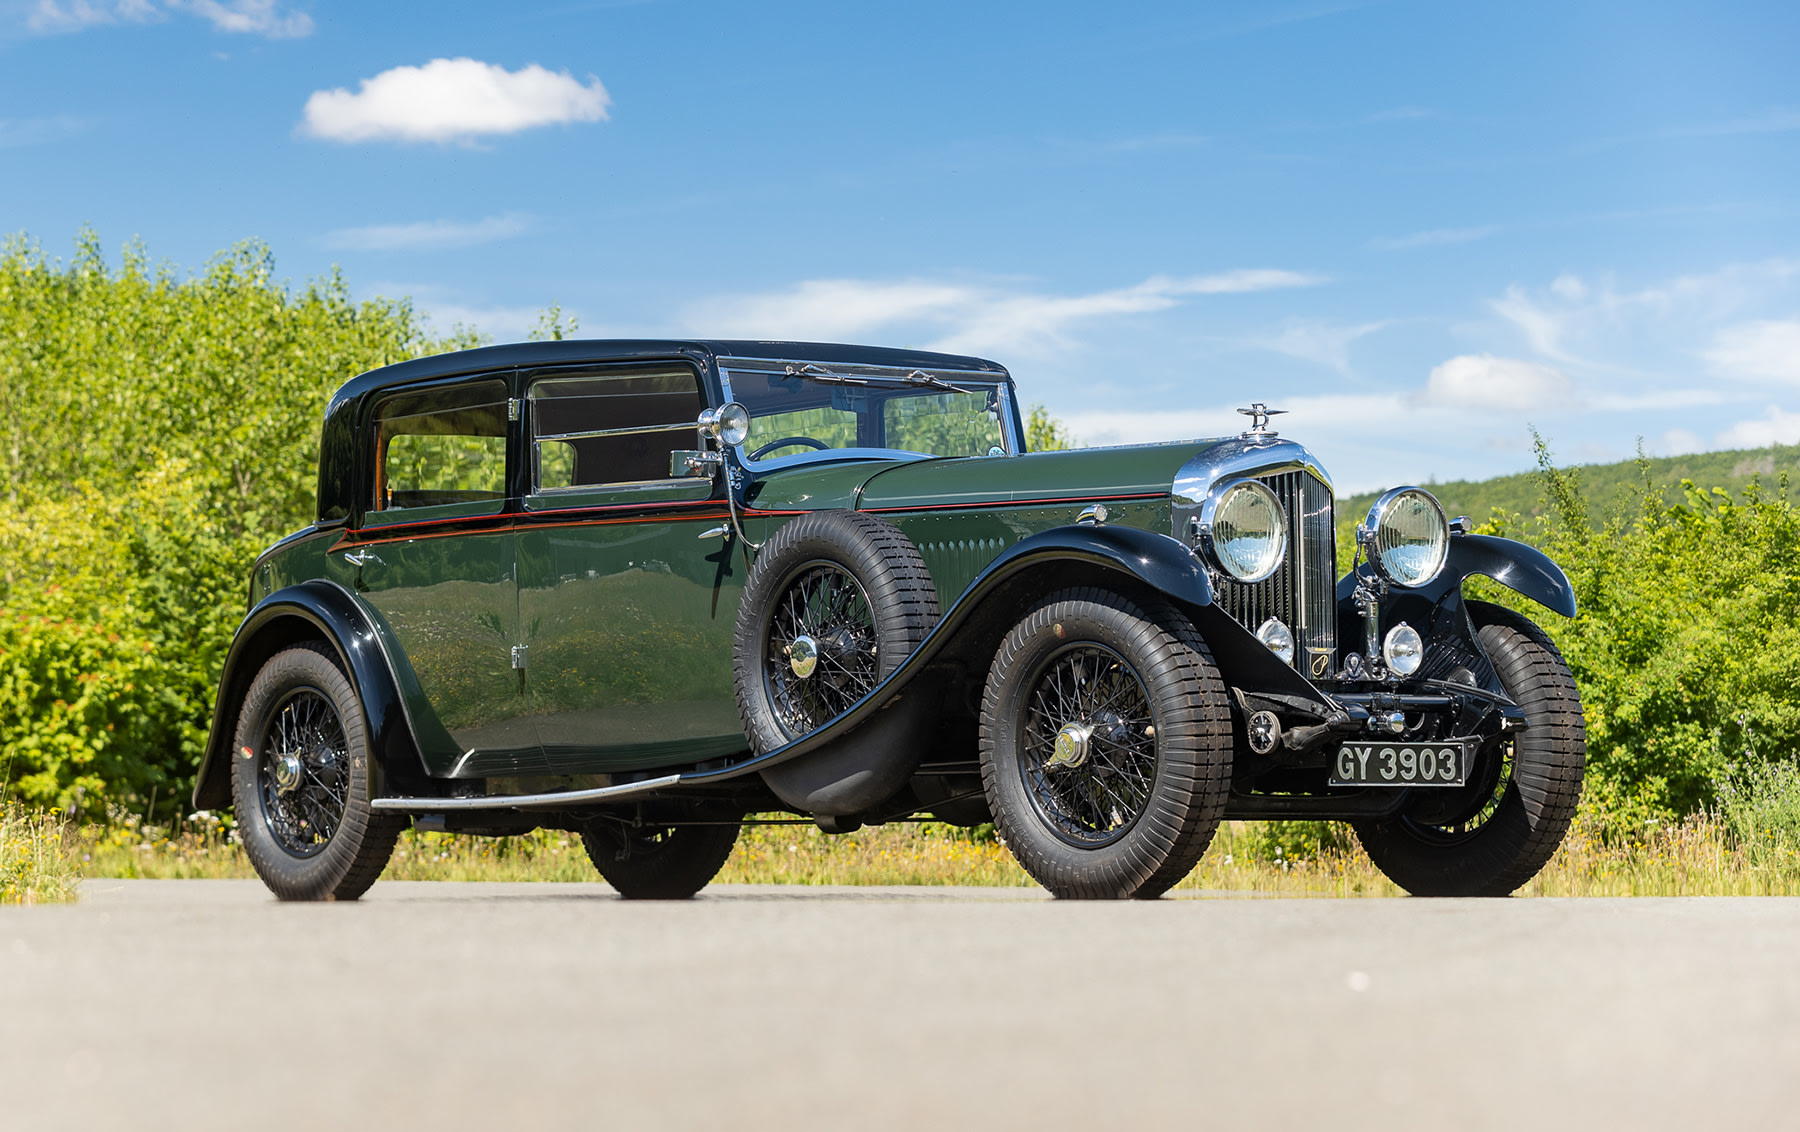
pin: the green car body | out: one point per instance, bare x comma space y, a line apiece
520, 629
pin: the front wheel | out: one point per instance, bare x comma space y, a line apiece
1105, 745
1523, 795
300, 782
655, 862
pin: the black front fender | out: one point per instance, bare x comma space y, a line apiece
311, 611
1523, 569
841, 767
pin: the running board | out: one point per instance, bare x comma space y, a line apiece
524, 801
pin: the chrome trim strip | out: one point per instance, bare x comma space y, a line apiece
636, 430
778, 366
523, 801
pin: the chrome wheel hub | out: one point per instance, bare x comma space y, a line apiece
287, 774
1071, 747
803, 656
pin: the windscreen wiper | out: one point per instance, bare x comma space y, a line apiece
917, 378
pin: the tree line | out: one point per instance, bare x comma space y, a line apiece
158, 429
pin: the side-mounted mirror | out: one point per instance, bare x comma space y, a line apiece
728, 425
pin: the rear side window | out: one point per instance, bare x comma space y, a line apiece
440, 447
611, 430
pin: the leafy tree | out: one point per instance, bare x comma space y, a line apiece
1045, 433
156, 431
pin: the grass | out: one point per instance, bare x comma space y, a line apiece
38, 864
1695, 858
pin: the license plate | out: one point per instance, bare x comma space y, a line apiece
1442, 762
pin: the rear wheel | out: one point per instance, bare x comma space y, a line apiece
1523, 791
1105, 745
300, 778
658, 862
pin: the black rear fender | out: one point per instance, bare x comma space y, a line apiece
313, 611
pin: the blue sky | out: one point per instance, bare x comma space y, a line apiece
1419, 227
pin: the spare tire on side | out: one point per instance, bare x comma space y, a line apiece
835, 601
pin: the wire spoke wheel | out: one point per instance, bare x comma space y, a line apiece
1105, 744
1494, 777
822, 650
1088, 756
1494, 835
303, 772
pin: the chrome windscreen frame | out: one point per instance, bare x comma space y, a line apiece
1011, 439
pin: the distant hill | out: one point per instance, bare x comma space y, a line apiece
1602, 484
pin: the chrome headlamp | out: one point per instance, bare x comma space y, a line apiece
1406, 536
1243, 529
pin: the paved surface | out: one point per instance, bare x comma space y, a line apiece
201, 1004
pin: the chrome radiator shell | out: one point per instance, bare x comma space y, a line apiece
1302, 593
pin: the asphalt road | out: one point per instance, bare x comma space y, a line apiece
203, 1004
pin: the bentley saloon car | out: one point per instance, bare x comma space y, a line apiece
644, 590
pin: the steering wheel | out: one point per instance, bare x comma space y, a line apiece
787, 440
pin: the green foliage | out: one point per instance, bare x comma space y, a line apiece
1045, 433
124, 569
1604, 486
1289, 843
1759, 808
36, 864
552, 326
1686, 646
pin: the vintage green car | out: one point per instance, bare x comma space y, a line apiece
641, 590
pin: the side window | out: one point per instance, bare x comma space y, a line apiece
440, 447
611, 430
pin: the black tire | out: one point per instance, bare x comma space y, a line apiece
306, 823
1140, 678
650, 863
1523, 796
849, 581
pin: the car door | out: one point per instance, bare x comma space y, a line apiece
435, 557
626, 611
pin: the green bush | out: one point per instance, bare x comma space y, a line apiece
1686, 646
156, 432
1759, 807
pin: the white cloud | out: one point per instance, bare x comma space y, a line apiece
1324, 343
253, 17
957, 317
55, 15
1576, 321
1306, 416
503, 324
428, 234
1676, 442
1482, 381
453, 100
1436, 237
1766, 349
1775, 426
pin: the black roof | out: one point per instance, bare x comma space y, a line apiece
576, 350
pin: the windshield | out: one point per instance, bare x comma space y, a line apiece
792, 414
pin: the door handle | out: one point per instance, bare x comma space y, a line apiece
364, 556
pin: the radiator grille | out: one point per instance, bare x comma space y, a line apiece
1302, 593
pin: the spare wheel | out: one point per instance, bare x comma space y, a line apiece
835, 601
